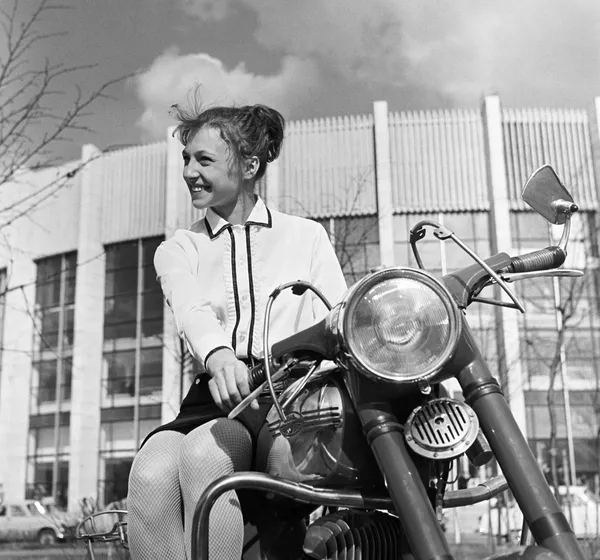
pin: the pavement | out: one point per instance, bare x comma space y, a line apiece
69, 551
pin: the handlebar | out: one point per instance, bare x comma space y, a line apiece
543, 259
256, 377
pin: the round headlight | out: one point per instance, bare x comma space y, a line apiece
400, 325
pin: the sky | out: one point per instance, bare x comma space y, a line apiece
315, 58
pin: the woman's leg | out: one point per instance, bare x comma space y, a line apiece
209, 452
155, 526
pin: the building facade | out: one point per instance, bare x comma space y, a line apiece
90, 359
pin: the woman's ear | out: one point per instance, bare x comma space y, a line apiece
251, 166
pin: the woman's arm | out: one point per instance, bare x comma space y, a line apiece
326, 273
196, 322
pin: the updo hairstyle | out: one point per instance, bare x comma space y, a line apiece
251, 130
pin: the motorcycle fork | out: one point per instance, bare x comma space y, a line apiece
404, 484
541, 511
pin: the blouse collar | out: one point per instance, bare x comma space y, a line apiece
260, 216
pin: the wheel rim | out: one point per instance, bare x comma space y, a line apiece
46, 538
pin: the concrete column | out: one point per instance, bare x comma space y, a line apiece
507, 326
173, 183
272, 176
175, 217
89, 335
595, 134
383, 176
15, 374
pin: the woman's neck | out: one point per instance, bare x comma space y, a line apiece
238, 212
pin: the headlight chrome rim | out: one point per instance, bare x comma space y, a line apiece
355, 295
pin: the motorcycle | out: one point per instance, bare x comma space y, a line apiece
362, 426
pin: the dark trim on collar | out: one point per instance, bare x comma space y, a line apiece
210, 231
268, 224
264, 219
235, 291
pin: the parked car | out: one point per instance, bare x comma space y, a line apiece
28, 520
67, 519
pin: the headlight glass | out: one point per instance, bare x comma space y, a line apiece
400, 325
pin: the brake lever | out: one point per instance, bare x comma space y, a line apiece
280, 373
558, 272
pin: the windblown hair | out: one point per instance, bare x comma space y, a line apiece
251, 130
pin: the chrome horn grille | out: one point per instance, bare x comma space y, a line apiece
441, 429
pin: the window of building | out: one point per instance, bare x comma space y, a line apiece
529, 230
356, 243
48, 457
113, 486
133, 298
133, 323
578, 311
54, 332
584, 424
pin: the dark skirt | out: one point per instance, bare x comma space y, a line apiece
196, 409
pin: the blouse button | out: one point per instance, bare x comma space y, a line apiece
242, 337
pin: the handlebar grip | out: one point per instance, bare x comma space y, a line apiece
256, 377
544, 259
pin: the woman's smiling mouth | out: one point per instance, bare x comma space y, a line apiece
195, 189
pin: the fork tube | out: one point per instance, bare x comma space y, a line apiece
548, 524
411, 502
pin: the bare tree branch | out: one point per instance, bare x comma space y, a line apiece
31, 124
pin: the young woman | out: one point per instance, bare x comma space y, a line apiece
216, 277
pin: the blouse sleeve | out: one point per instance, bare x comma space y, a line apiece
196, 321
326, 273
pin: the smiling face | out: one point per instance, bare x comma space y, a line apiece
211, 172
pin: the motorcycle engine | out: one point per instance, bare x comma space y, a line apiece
321, 441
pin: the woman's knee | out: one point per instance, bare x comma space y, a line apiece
217, 446
156, 464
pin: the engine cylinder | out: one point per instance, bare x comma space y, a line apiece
321, 442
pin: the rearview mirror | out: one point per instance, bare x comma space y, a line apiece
544, 192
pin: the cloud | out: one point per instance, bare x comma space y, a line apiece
172, 76
539, 51
207, 10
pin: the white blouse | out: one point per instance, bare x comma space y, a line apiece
217, 277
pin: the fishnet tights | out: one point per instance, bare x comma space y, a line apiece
213, 450
172, 470
155, 526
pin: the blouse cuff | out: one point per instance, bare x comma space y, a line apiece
212, 352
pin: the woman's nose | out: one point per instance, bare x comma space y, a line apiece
189, 172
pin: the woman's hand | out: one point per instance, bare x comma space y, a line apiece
228, 383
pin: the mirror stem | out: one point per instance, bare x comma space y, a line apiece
564, 240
